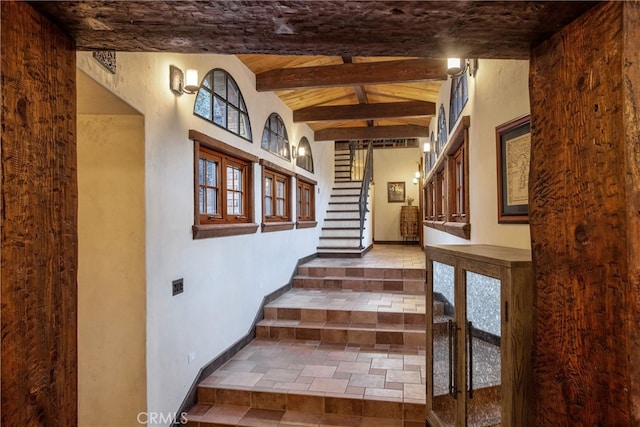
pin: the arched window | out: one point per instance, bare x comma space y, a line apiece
304, 157
274, 137
219, 101
458, 99
442, 130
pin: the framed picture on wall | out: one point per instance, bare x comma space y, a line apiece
395, 192
513, 148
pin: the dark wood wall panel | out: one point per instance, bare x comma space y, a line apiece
631, 93
39, 221
585, 313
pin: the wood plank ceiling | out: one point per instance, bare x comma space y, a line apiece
349, 69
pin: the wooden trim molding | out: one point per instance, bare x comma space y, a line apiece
284, 171
305, 179
459, 229
214, 144
205, 231
277, 226
306, 224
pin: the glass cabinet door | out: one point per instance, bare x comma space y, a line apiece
483, 359
443, 377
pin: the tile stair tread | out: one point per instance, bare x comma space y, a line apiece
302, 276
336, 325
245, 416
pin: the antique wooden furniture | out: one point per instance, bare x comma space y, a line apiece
409, 223
480, 300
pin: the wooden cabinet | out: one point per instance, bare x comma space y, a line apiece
409, 223
480, 302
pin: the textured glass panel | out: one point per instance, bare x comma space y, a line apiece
280, 189
220, 84
212, 174
443, 338
243, 106
203, 104
244, 126
207, 81
202, 201
232, 92
212, 202
234, 206
483, 366
273, 125
219, 112
265, 139
280, 208
268, 206
233, 119
201, 169
483, 302
237, 179
268, 186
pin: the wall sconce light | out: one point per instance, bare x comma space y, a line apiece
297, 151
457, 66
179, 85
426, 147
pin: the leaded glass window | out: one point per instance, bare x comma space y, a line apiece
220, 101
274, 137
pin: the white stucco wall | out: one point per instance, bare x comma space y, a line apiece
497, 94
393, 165
225, 278
111, 270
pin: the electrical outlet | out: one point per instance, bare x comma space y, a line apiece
191, 357
177, 286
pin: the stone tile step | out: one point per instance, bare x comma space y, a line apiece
362, 272
203, 415
348, 306
343, 333
317, 370
364, 284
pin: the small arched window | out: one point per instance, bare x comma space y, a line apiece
220, 102
274, 137
304, 157
458, 99
442, 129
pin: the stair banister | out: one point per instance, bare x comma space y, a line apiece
364, 190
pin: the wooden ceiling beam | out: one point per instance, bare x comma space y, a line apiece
378, 132
352, 74
365, 111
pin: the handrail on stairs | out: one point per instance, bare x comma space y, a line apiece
367, 175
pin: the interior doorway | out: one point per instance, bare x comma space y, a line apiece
111, 258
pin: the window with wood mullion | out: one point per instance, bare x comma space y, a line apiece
305, 201
215, 193
459, 205
276, 196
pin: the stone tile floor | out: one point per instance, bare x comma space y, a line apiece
380, 256
381, 372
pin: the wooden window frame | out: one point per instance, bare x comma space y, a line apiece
301, 185
272, 133
277, 173
241, 106
459, 199
304, 161
445, 177
223, 224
